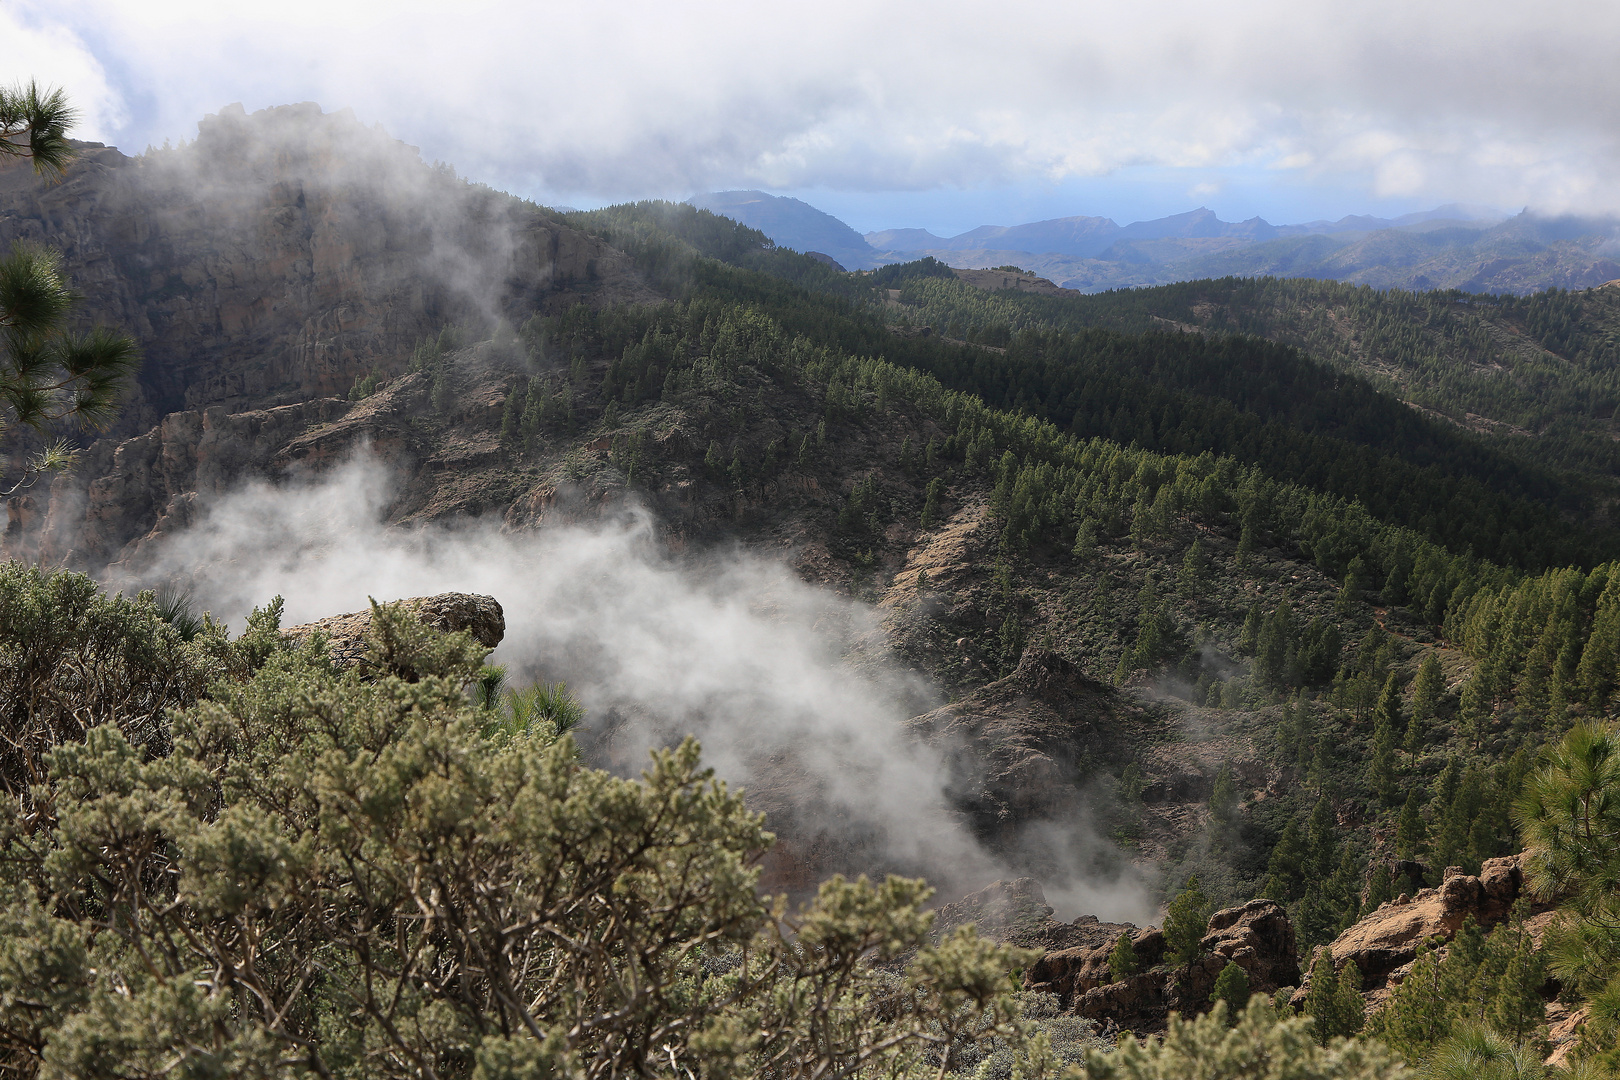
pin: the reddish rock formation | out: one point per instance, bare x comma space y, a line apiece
1256, 936
1384, 943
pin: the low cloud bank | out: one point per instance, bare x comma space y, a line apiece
731, 647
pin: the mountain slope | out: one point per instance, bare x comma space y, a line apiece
1204, 651
792, 224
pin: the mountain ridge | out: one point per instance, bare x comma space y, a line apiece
1449, 247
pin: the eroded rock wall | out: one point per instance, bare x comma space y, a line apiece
284, 253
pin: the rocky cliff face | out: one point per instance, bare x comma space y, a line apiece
345, 635
1383, 944
1017, 744
263, 269
284, 253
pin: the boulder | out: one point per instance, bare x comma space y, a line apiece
448, 612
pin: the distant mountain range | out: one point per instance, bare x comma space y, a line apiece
1463, 247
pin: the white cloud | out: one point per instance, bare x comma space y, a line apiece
1492, 101
53, 55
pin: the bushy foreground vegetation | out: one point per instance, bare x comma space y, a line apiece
315, 873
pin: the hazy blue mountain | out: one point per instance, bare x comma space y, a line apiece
1093, 237
793, 224
906, 240
1462, 247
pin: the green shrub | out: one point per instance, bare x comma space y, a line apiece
1260, 1045
338, 875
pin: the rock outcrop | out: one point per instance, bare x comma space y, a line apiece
1384, 943
1016, 747
1256, 936
1015, 912
346, 634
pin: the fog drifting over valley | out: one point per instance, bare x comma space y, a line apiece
730, 646
1490, 102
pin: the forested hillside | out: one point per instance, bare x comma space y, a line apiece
1538, 373
1196, 578
1403, 685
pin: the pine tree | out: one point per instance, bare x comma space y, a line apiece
511, 417
931, 500
1321, 766
1249, 636
1247, 543
1122, 961
1381, 767
1190, 583
1417, 1014
1475, 710
1271, 652
1344, 891
1316, 916
1465, 954
1350, 1010
1380, 886
1427, 689
1518, 1010
1355, 583
1185, 923
1409, 829
1596, 671
1085, 540
1320, 839
1388, 710
1322, 1000
1010, 642
1455, 822
1232, 987
1286, 870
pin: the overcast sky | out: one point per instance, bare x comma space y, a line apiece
944, 114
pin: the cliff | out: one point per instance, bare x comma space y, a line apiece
284, 253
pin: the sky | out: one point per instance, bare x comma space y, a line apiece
941, 115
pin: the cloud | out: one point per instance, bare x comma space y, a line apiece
54, 55
731, 647
1492, 101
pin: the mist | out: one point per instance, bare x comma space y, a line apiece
775, 676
